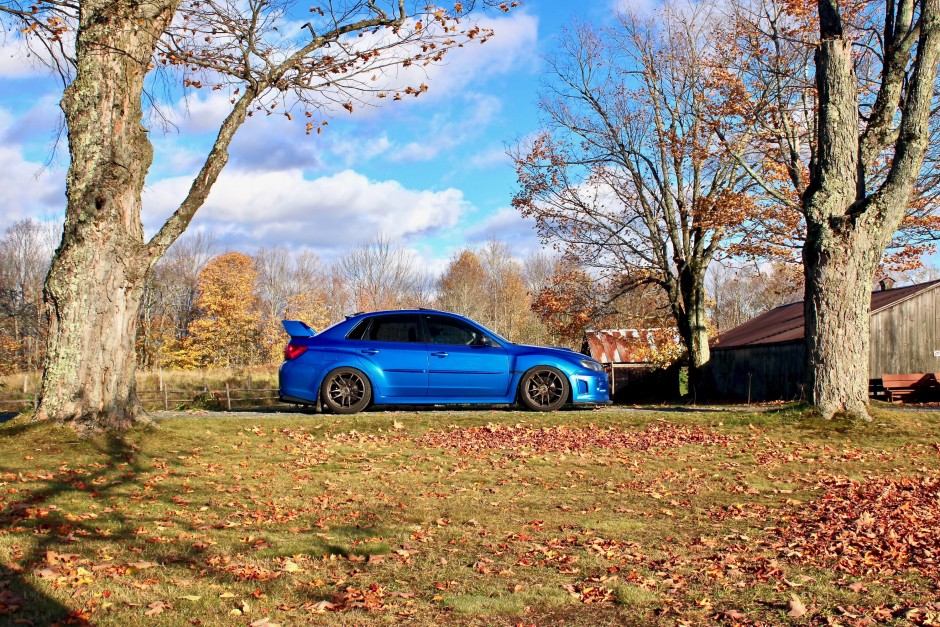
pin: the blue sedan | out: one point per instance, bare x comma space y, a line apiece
421, 356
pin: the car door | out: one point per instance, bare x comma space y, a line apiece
392, 346
463, 362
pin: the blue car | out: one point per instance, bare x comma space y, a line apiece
427, 357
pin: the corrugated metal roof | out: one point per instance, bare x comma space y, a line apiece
785, 323
626, 346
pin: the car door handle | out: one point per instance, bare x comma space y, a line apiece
439, 354
369, 351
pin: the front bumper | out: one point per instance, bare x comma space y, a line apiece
590, 388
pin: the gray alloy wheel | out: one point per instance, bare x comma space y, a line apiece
346, 391
544, 388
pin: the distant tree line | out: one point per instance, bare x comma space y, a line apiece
208, 308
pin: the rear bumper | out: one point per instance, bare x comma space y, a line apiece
592, 388
284, 398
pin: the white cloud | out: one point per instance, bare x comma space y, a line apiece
513, 46
642, 8
26, 189
443, 134
250, 209
17, 61
489, 158
509, 226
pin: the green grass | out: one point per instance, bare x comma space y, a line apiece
378, 518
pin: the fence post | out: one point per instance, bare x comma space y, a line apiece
228, 397
166, 400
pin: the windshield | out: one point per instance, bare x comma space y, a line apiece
492, 334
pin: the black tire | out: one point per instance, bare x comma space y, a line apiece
544, 388
346, 391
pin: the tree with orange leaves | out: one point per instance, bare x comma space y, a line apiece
569, 304
227, 329
627, 177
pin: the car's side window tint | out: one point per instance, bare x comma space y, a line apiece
452, 331
359, 331
394, 329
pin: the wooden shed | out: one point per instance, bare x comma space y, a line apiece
763, 359
626, 354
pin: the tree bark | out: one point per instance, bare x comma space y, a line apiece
839, 270
848, 228
95, 284
691, 319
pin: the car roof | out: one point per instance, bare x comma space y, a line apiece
420, 310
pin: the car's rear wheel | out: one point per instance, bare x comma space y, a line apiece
544, 388
346, 391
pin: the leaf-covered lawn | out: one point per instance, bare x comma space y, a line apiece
475, 517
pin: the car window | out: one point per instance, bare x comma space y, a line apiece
359, 331
443, 330
395, 328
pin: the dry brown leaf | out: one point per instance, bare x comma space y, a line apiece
796, 607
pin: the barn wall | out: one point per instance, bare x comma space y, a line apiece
642, 383
904, 337
761, 373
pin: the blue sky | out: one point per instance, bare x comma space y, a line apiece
431, 172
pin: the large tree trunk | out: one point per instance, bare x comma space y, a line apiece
690, 313
94, 286
839, 269
848, 228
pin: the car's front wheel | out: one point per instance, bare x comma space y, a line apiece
346, 391
544, 388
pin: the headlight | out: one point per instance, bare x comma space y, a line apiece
590, 364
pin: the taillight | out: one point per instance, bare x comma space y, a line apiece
293, 351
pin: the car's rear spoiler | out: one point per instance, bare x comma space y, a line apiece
297, 328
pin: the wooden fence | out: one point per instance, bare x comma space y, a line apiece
227, 398
16, 404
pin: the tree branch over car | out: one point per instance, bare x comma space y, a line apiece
346, 56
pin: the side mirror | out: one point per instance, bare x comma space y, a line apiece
483, 342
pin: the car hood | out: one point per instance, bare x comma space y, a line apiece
564, 353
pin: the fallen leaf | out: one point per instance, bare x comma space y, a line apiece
142, 565
797, 609
157, 607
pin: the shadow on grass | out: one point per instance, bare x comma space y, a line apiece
54, 526
52, 530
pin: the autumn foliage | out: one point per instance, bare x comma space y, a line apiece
226, 331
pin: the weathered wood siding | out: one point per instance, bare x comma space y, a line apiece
757, 373
642, 383
905, 336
